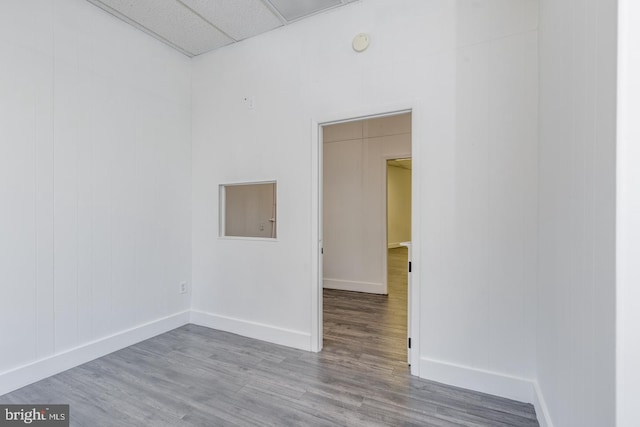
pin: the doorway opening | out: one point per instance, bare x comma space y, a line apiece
365, 222
399, 239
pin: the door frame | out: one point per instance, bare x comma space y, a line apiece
317, 124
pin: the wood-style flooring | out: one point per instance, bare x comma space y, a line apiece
195, 376
369, 326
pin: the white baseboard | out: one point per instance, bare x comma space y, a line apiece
260, 331
515, 388
350, 285
510, 387
46, 367
542, 411
521, 389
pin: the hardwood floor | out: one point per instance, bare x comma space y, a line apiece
368, 326
195, 376
371, 332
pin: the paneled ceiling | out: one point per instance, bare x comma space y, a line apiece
197, 26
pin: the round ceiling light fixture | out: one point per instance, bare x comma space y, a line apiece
361, 42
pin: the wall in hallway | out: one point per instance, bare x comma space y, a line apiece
398, 205
355, 160
577, 211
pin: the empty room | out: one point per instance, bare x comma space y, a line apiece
199, 212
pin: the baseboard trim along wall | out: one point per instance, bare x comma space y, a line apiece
494, 383
259, 331
350, 285
54, 364
520, 389
542, 410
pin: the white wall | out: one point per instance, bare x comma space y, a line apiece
576, 297
470, 71
628, 216
94, 183
354, 203
398, 206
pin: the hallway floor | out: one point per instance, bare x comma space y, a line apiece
370, 326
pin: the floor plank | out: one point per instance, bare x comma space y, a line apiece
195, 376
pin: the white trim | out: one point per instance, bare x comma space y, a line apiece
542, 411
627, 350
251, 239
239, 183
250, 329
497, 384
222, 211
364, 114
355, 286
316, 238
417, 216
456, 375
52, 365
494, 383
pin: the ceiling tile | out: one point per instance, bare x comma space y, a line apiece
171, 21
239, 19
296, 9
198, 26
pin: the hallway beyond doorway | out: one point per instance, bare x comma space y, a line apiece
372, 328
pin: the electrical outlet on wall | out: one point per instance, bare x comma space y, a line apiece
182, 288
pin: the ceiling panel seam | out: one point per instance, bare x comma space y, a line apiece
194, 20
305, 15
206, 20
139, 26
275, 11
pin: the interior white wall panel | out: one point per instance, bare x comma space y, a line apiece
628, 217
577, 188
94, 178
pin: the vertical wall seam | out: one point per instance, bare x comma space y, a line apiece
53, 169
